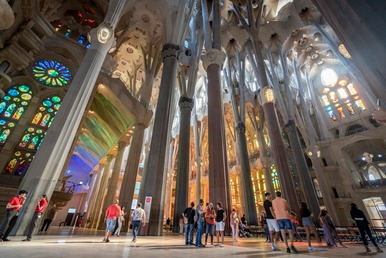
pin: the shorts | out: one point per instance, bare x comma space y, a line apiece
284, 224
307, 222
110, 224
220, 226
272, 225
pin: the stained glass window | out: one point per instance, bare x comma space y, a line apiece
342, 93
43, 118
12, 107
51, 73
19, 163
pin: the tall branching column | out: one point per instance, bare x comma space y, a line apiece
152, 181
182, 180
45, 169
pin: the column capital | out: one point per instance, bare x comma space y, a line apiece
170, 50
213, 56
185, 102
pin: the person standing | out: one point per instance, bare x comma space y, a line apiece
264, 225
112, 212
138, 219
120, 221
308, 225
40, 207
189, 218
281, 213
273, 227
363, 226
220, 220
234, 223
210, 215
181, 224
50, 216
10, 215
200, 214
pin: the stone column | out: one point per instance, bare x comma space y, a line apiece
112, 188
182, 177
301, 166
218, 170
45, 169
131, 169
93, 194
101, 192
152, 180
248, 200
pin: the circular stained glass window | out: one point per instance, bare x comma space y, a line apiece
56, 99
17, 153
42, 109
51, 73
11, 125
31, 129
7, 98
13, 92
2, 122
39, 131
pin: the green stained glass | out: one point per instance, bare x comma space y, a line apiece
51, 73
31, 129
27, 155
10, 110
24, 103
24, 88
39, 131
4, 135
11, 124
17, 153
2, 106
7, 98
56, 99
57, 106
50, 110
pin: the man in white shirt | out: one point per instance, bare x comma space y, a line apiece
138, 217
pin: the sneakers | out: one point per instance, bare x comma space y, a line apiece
27, 239
6, 239
106, 240
288, 250
134, 240
221, 245
201, 245
275, 248
293, 249
311, 249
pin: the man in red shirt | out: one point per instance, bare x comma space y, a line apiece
40, 207
112, 213
10, 215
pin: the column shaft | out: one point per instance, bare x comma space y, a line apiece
152, 181
182, 179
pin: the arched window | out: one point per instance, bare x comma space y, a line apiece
51, 73
42, 120
33, 136
339, 96
12, 108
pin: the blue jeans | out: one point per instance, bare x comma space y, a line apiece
136, 227
200, 226
189, 233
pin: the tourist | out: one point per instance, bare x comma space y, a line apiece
138, 218
281, 213
363, 226
234, 223
11, 214
189, 222
273, 227
264, 225
120, 221
40, 207
308, 225
181, 224
220, 221
50, 216
200, 214
327, 230
111, 214
332, 228
210, 216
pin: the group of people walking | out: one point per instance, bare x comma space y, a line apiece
279, 218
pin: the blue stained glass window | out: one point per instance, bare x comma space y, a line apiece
51, 73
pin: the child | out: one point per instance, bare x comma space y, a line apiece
295, 223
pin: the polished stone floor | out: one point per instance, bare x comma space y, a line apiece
84, 243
